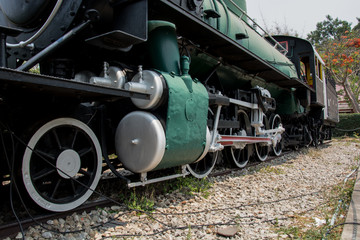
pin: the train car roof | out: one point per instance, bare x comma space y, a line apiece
305, 42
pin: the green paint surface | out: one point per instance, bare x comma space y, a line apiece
163, 50
186, 121
287, 103
230, 24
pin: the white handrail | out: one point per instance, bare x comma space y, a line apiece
276, 43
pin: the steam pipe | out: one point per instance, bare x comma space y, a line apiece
55, 45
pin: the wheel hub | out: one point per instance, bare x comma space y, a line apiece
68, 163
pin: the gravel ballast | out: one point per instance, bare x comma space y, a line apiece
246, 204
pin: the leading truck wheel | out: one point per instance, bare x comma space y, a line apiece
62, 164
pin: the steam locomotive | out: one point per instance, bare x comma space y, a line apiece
159, 84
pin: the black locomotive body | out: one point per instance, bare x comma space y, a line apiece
161, 84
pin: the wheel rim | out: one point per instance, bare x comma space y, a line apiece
262, 151
62, 164
240, 157
203, 167
275, 122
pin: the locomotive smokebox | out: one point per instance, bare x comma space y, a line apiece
24, 12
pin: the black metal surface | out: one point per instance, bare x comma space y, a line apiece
4, 32
129, 27
62, 87
114, 40
215, 99
221, 46
58, 26
52, 47
22, 12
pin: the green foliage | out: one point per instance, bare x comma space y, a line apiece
278, 29
339, 46
355, 86
328, 29
188, 235
348, 122
139, 201
35, 69
357, 27
191, 185
295, 232
143, 199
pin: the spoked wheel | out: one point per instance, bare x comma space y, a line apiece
203, 167
240, 156
317, 137
275, 121
322, 134
261, 149
62, 164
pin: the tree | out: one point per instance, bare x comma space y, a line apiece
339, 46
357, 27
278, 29
328, 30
342, 59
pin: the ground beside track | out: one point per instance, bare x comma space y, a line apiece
273, 200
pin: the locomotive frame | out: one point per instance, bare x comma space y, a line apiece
131, 77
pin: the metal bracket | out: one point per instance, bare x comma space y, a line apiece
144, 181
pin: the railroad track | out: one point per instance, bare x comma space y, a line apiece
12, 228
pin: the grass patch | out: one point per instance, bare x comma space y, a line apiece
141, 200
188, 186
189, 234
272, 170
304, 227
314, 153
356, 163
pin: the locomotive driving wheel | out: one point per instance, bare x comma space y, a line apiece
240, 156
275, 121
262, 149
203, 167
62, 164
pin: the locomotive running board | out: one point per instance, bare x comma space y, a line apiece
38, 84
227, 140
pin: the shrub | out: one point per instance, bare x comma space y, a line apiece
348, 122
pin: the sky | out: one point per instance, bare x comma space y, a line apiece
302, 15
